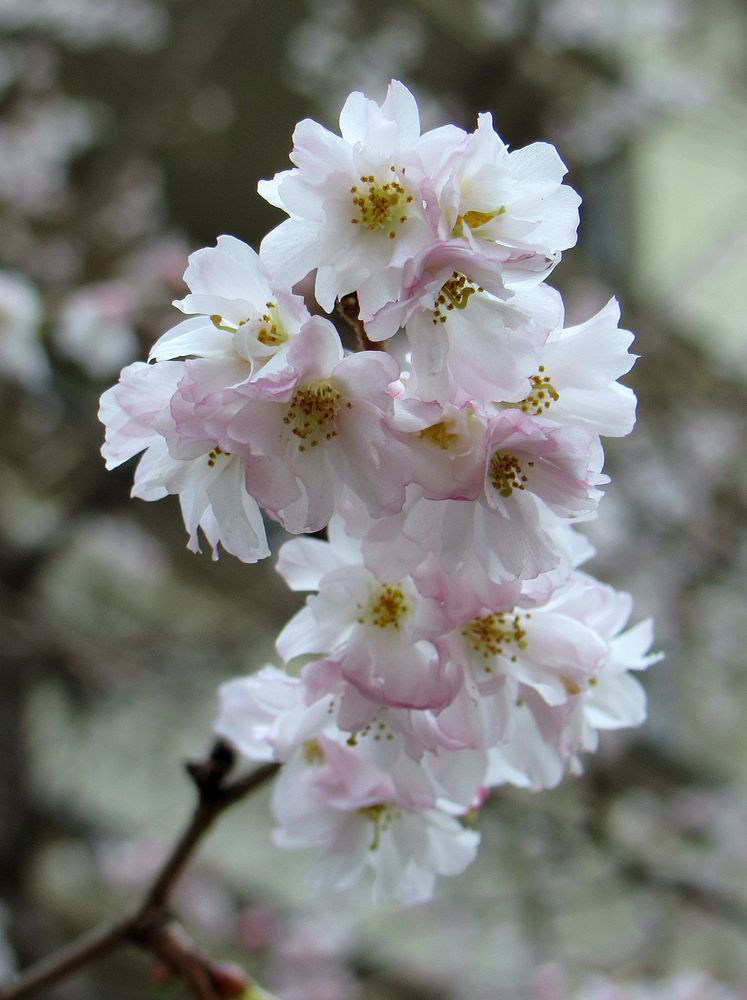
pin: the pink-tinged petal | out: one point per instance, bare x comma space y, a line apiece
230, 270
320, 488
195, 336
289, 250
129, 409
316, 350
250, 708
356, 710
525, 759
396, 673
240, 525
617, 701
316, 150
630, 650
510, 548
304, 562
401, 107
349, 781
538, 164
305, 634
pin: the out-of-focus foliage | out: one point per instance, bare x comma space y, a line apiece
135, 130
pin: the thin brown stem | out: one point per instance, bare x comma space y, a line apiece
151, 926
67, 960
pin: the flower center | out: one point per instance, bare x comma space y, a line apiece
489, 635
381, 206
312, 413
387, 608
271, 332
454, 294
542, 394
381, 816
215, 454
221, 323
375, 729
312, 752
507, 474
440, 434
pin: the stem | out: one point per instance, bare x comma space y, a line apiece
151, 926
211, 804
67, 960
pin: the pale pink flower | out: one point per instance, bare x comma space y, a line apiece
546, 648
534, 459
379, 633
467, 341
240, 314
544, 739
209, 482
268, 715
514, 199
324, 433
536, 476
355, 204
447, 447
614, 699
332, 798
576, 381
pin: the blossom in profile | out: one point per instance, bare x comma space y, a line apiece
514, 199
238, 314
209, 483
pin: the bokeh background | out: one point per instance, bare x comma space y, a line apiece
133, 131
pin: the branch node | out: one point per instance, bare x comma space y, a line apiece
208, 775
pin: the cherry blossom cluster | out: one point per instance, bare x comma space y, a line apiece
450, 643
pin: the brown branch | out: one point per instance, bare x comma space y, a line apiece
151, 926
67, 960
348, 308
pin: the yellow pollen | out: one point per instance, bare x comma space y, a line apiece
312, 413
381, 816
376, 730
223, 324
476, 219
215, 454
571, 687
440, 435
490, 635
312, 752
271, 333
542, 394
455, 294
507, 473
381, 206
387, 608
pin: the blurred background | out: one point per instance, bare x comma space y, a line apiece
134, 131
